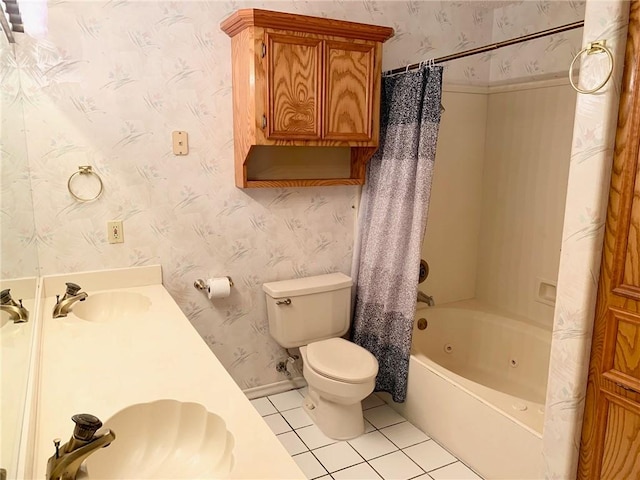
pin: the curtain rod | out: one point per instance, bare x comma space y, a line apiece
493, 46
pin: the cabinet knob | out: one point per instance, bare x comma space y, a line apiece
264, 50
264, 121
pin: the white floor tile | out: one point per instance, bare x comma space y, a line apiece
396, 466
368, 427
455, 471
344, 459
337, 456
263, 406
372, 401
404, 434
382, 416
372, 445
297, 418
309, 465
363, 471
277, 423
292, 443
286, 400
303, 391
429, 455
313, 437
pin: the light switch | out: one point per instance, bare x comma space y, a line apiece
180, 143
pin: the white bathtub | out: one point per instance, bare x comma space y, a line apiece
477, 383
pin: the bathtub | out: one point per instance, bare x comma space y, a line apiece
477, 385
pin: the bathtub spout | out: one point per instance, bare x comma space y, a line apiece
428, 299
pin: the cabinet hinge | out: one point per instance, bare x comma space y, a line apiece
264, 50
264, 121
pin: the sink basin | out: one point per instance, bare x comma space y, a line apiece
103, 307
165, 439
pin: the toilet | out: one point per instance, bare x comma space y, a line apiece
313, 313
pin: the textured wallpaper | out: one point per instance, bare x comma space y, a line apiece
106, 88
582, 237
543, 57
18, 248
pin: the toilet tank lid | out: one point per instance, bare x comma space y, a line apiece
307, 285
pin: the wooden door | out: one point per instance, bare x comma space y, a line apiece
610, 446
349, 84
294, 86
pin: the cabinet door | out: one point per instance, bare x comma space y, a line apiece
349, 77
294, 89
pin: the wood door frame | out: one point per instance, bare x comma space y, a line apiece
603, 385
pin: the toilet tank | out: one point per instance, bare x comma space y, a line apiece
305, 310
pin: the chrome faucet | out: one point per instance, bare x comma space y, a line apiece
71, 296
65, 463
16, 311
428, 299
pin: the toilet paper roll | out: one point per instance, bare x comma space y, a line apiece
218, 287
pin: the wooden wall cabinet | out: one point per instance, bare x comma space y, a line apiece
302, 81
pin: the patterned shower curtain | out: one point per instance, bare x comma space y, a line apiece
392, 221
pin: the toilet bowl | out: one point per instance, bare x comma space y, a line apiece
313, 313
340, 374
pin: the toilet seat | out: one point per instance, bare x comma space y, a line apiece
341, 360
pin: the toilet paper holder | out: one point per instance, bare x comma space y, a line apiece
201, 285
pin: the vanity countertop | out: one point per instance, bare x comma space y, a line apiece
100, 367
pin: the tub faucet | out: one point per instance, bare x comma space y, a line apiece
428, 299
71, 296
65, 463
16, 311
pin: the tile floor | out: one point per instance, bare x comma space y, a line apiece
391, 448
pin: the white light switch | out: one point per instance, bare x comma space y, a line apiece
180, 143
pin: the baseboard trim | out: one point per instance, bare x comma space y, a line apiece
273, 388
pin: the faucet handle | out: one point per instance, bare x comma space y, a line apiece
5, 296
86, 426
72, 288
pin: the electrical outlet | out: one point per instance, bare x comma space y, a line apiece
115, 233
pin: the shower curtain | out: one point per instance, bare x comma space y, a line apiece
392, 221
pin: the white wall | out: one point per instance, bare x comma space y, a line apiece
106, 87
108, 84
524, 187
453, 228
497, 202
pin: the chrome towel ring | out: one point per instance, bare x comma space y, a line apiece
85, 170
591, 48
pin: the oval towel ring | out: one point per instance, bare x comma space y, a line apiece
592, 47
85, 170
